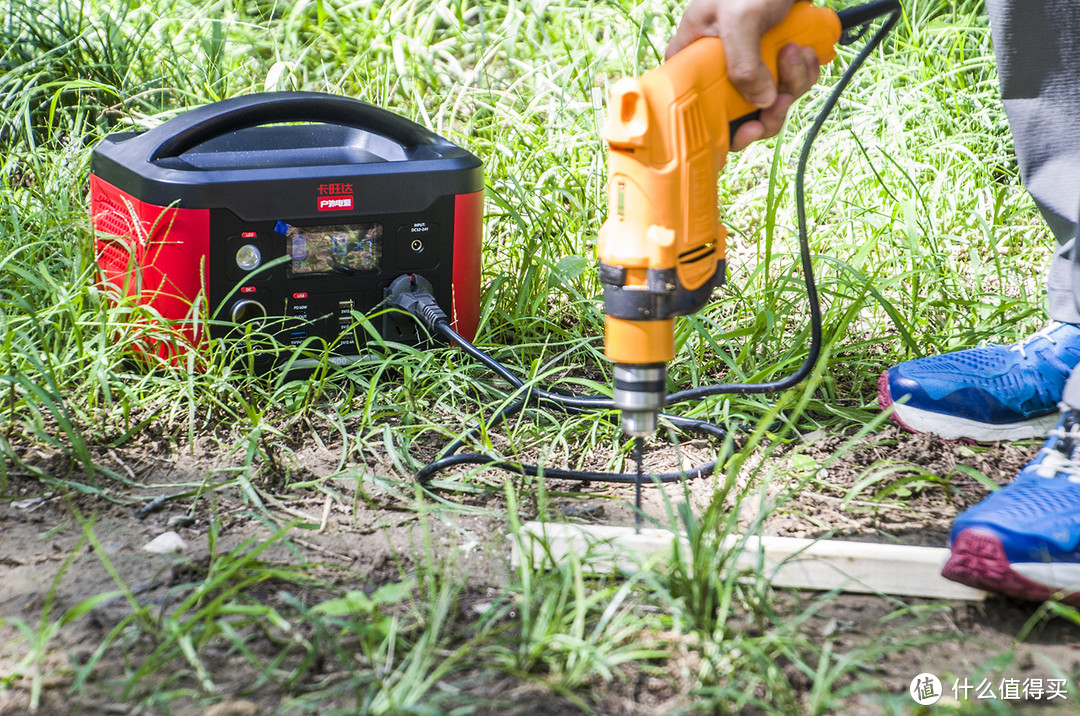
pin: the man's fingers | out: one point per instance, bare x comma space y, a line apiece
768, 124
740, 24
798, 69
797, 66
747, 134
746, 70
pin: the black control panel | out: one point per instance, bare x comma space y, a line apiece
307, 283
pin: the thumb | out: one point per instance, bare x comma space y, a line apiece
746, 70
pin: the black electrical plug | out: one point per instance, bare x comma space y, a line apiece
415, 295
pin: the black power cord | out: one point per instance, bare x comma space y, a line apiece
569, 402
411, 294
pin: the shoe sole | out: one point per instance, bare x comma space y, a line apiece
950, 427
978, 560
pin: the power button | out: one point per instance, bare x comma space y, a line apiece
417, 246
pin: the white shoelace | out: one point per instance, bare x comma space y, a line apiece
1056, 462
1043, 332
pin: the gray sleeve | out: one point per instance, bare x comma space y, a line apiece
1037, 45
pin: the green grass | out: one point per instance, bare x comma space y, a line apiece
924, 242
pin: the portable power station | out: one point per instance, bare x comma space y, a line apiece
290, 209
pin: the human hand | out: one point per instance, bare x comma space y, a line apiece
741, 25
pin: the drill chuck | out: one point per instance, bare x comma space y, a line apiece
640, 392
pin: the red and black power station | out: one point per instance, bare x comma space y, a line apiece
291, 209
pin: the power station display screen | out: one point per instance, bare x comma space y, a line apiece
340, 249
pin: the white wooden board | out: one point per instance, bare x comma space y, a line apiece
862, 567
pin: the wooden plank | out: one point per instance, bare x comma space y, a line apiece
824, 564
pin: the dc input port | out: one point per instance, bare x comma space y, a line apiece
248, 311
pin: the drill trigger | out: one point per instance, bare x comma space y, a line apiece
734, 124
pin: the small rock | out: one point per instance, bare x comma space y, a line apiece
233, 707
33, 503
590, 512
181, 521
165, 543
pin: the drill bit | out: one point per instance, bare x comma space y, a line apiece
639, 448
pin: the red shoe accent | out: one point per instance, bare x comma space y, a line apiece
885, 400
978, 560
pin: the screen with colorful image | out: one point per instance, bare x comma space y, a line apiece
340, 249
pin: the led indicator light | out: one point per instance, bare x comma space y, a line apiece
247, 289
248, 235
248, 257
300, 295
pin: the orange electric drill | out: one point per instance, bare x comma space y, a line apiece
662, 247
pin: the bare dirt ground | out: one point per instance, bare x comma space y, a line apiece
373, 538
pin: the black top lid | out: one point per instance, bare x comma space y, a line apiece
237, 154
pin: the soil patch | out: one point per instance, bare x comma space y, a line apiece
887, 486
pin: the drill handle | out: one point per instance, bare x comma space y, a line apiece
644, 111
668, 133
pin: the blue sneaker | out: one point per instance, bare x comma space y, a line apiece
988, 393
1024, 539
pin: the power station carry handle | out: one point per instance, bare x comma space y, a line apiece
200, 125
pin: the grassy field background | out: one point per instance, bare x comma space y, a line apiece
924, 241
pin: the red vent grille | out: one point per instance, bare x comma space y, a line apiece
114, 257
112, 218
110, 223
